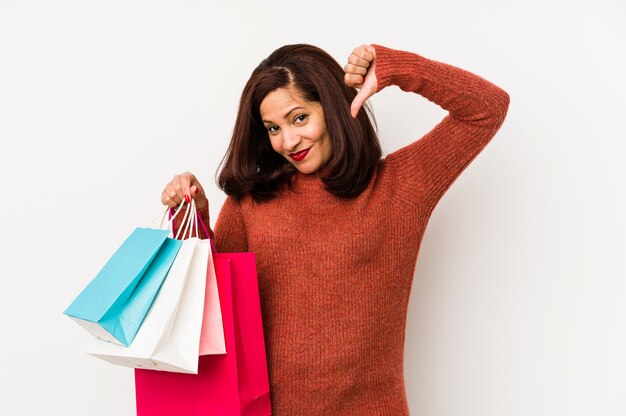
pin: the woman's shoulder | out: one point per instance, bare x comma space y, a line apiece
398, 177
244, 204
392, 163
234, 204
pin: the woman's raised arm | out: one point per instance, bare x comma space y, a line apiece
426, 168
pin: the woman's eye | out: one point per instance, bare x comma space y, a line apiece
300, 118
272, 129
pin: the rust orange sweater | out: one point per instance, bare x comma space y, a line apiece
334, 274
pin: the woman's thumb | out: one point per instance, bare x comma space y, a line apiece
359, 100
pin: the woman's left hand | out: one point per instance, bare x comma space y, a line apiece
360, 72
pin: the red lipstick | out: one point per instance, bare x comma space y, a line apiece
298, 156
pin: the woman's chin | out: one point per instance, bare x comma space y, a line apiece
305, 171
305, 168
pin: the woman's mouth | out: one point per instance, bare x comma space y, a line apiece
298, 156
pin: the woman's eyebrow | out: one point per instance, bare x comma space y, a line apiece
287, 115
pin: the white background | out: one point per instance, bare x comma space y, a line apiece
518, 303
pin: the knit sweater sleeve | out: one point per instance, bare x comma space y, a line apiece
230, 229
424, 170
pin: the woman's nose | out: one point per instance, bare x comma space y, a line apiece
291, 140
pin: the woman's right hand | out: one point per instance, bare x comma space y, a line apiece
181, 185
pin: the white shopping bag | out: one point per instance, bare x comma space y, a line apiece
169, 337
180, 352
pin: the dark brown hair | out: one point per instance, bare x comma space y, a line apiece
251, 166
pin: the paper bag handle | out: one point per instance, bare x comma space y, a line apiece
173, 215
197, 218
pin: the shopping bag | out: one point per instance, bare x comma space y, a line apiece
212, 333
140, 263
169, 337
252, 376
226, 385
113, 305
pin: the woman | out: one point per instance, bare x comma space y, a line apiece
335, 228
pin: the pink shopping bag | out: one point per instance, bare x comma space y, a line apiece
226, 385
212, 331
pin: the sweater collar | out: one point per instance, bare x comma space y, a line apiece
314, 179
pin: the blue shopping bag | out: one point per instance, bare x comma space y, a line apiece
113, 305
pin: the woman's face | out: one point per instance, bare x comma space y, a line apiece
296, 129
